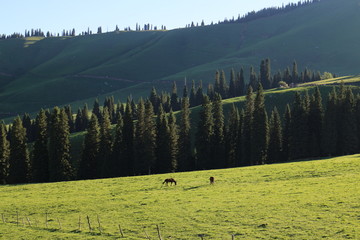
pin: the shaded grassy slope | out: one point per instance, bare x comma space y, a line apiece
320, 36
300, 200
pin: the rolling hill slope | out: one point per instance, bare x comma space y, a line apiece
36, 72
299, 200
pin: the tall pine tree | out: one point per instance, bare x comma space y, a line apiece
260, 135
185, 156
88, 166
4, 154
204, 135
40, 154
248, 128
19, 171
105, 147
218, 159
59, 147
275, 140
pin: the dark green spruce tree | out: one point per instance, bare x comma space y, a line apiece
223, 85
27, 123
85, 116
143, 148
265, 73
59, 147
232, 85
348, 128
185, 161
248, 128
204, 135
218, 158
19, 171
173, 143
299, 128
88, 166
232, 136
260, 129
253, 78
330, 127
70, 116
79, 125
105, 147
128, 139
162, 150
316, 118
40, 154
4, 154
174, 99
286, 142
149, 137
192, 95
275, 140
240, 83
295, 73
96, 110
118, 163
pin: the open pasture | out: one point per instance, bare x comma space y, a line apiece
300, 200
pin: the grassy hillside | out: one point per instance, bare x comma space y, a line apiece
43, 72
300, 200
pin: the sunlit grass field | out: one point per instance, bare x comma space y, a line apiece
316, 199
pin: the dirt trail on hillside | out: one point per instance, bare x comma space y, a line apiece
104, 77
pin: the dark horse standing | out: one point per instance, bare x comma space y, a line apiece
169, 180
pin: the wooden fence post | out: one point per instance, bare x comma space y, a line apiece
79, 223
59, 223
98, 219
121, 231
88, 220
28, 220
46, 219
146, 234
3, 218
233, 237
158, 230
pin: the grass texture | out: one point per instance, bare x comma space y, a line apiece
314, 199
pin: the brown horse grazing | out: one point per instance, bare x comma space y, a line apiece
169, 180
212, 180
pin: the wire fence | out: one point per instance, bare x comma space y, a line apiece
85, 224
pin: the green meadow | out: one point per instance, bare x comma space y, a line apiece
312, 199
